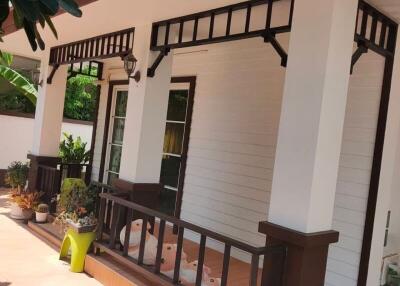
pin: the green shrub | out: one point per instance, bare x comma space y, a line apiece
73, 151
17, 175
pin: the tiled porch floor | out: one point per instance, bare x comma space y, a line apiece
26, 260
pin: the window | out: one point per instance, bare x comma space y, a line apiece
176, 141
116, 134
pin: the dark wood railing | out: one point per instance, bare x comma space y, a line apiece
48, 182
116, 211
81, 171
49, 179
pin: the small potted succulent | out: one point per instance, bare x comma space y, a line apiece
41, 212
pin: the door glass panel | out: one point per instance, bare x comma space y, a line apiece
170, 167
173, 138
115, 158
177, 105
120, 104
118, 132
111, 177
168, 199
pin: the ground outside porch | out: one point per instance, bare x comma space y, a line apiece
25, 257
42, 265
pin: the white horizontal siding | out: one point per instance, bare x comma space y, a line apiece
355, 170
233, 136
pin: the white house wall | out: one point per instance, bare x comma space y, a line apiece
230, 163
232, 144
19, 136
233, 136
355, 170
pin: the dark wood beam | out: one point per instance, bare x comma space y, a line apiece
9, 25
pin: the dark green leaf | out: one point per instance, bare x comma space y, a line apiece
52, 6
38, 38
30, 33
18, 20
71, 7
4, 11
51, 25
26, 9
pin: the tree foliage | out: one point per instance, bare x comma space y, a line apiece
20, 83
27, 14
80, 98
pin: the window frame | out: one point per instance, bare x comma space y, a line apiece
191, 80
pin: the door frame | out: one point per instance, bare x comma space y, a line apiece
191, 80
112, 85
186, 137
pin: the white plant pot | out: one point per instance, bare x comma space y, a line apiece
18, 213
41, 217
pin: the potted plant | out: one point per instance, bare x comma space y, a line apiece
22, 204
16, 178
73, 152
76, 205
41, 212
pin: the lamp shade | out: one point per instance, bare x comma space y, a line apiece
129, 64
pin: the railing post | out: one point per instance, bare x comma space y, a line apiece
306, 256
254, 270
225, 266
178, 255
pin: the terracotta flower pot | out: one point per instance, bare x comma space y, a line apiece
19, 213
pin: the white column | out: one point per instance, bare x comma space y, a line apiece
49, 111
146, 115
313, 110
387, 175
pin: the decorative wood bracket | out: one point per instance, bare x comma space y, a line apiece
52, 73
151, 71
361, 49
269, 37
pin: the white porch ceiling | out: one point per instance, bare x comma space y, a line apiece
105, 16
390, 8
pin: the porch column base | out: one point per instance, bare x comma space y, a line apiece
147, 195
306, 258
35, 161
139, 193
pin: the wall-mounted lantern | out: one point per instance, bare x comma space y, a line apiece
130, 66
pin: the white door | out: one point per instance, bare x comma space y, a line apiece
115, 133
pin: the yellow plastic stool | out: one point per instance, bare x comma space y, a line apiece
79, 243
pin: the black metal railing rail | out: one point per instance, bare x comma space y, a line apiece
110, 216
48, 181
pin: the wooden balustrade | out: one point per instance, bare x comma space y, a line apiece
48, 182
115, 209
82, 171
49, 179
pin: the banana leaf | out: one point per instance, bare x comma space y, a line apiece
20, 83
